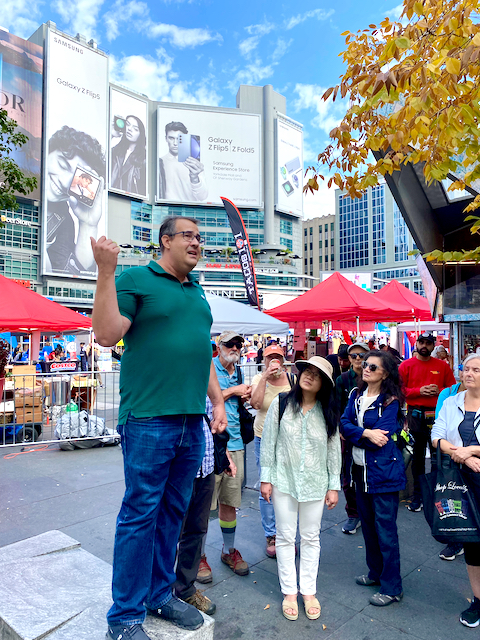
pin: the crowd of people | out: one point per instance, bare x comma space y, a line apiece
335, 424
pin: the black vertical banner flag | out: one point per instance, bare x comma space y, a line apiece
244, 251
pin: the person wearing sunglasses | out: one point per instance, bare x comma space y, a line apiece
373, 415
300, 460
228, 489
343, 387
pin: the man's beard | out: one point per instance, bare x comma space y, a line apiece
230, 358
424, 352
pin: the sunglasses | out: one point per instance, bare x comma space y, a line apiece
356, 355
233, 343
372, 367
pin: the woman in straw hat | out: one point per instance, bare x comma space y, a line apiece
300, 463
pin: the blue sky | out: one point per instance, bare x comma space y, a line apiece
200, 51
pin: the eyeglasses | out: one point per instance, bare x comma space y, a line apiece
372, 367
313, 372
357, 355
189, 236
233, 343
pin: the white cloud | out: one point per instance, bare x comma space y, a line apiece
329, 113
260, 29
396, 12
136, 15
281, 48
155, 77
248, 45
80, 17
181, 37
252, 74
256, 32
321, 203
122, 12
318, 14
21, 17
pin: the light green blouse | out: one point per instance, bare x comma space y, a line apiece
298, 458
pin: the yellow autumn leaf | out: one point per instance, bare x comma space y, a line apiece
453, 65
476, 40
267, 607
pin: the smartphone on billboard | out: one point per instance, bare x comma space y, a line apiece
293, 165
287, 187
188, 146
84, 186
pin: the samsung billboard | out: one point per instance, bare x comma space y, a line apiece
76, 139
21, 81
206, 154
289, 166
128, 144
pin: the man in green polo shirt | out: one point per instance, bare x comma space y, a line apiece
162, 315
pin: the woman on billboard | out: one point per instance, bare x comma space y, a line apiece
129, 156
74, 208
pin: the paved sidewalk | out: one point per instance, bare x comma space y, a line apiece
79, 492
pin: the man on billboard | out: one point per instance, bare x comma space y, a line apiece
74, 158
181, 175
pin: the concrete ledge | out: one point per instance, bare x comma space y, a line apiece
52, 589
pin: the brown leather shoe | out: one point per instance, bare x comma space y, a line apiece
202, 603
204, 574
236, 563
270, 550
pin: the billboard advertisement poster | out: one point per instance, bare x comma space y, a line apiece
128, 144
21, 81
204, 155
289, 164
76, 139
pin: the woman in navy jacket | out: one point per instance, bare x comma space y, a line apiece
373, 415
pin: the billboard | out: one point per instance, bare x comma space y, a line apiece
204, 155
21, 81
76, 139
289, 166
128, 144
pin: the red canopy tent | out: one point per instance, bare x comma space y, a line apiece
22, 309
396, 293
336, 298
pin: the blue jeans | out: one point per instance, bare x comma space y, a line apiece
378, 513
267, 512
161, 458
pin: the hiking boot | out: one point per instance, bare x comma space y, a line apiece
270, 550
122, 632
351, 526
202, 603
471, 616
451, 551
204, 573
382, 600
415, 505
183, 615
235, 561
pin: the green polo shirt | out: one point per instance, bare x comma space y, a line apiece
166, 362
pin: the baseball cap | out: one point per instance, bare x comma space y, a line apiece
274, 348
321, 363
226, 336
427, 335
362, 345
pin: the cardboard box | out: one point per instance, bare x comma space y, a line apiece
27, 401
28, 416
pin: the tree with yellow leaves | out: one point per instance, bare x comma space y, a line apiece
414, 92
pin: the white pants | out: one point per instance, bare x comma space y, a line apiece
309, 514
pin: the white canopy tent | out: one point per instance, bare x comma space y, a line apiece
235, 316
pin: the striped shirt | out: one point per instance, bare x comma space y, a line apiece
207, 465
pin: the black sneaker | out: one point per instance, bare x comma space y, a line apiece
415, 505
471, 616
121, 632
451, 551
382, 600
183, 615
